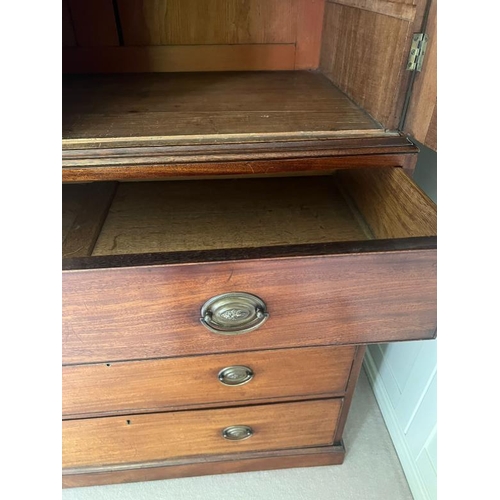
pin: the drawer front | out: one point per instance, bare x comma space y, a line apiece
154, 311
169, 383
160, 436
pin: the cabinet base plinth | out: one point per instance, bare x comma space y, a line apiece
202, 466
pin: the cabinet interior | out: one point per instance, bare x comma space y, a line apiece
191, 71
187, 82
176, 216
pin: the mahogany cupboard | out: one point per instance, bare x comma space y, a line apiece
239, 221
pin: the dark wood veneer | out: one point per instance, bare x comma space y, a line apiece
266, 159
220, 464
109, 441
153, 311
261, 253
192, 382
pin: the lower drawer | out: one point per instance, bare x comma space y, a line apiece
98, 442
156, 385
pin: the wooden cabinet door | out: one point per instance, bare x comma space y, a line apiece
365, 50
421, 118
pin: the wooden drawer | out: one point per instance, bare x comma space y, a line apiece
343, 259
137, 386
160, 436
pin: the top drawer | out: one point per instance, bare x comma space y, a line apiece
346, 258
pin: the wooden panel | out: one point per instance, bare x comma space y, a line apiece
108, 161
68, 34
197, 105
221, 169
208, 465
310, 15
391, 204
214, 214
421, 120
400, 9
217, 123
244, 168
94, 22
288, 91
364, 52
92, 203
431, 137
73, 197
238, 254
160, 436
256, 57
195, 22
152, 312
351, 386
170, 383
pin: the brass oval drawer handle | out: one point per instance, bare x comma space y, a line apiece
235, 375
233, 313
237, 432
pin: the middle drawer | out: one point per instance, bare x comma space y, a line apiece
138, 386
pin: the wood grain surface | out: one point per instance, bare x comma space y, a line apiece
73, 197
245, 254
390, 202
186, 148
214, 22
153, 312
176, 58
219, 464
86, 205
189, 35
310, 14
147, 438
351, 386
179, 382
215, 214
400, 9
365, 49
170, 125
91, 170
421, 120
351, 205
113, 106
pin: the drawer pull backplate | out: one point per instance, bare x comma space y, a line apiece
233, 313
237, 432
235, 375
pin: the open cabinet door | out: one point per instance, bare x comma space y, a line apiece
421, 118
365, 48
365, 51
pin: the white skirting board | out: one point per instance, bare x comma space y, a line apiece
408, 409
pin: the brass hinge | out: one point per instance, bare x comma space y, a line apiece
417, 52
